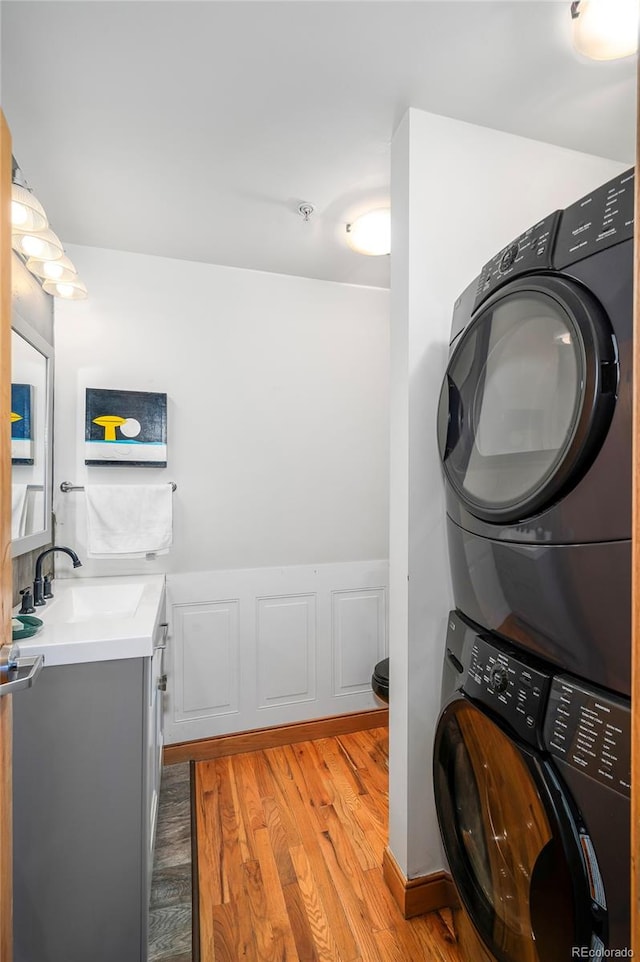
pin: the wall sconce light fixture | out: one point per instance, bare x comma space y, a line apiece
27, 213
43, 244
39, 247
59, 270
371, 233
73, 290
605, 29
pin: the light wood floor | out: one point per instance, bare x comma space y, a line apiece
290, 844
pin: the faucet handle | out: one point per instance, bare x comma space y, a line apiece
46, 587
26, 608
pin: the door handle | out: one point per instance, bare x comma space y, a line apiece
22, 676
163, 644
9, 655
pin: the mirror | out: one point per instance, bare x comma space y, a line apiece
31, 437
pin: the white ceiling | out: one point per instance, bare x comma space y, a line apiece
195, 129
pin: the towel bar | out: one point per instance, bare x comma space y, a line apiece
66, 486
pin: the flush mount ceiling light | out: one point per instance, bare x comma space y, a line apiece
605, 29
27, 213
73, 290
371, 233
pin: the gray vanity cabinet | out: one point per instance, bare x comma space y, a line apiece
87, 745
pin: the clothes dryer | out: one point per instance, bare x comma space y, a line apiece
534, 432
532, 782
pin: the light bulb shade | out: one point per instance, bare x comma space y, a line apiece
73, 290
606, 29
371, 233
27, 213
59, 270
45, 245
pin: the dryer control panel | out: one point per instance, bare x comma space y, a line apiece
507, 684
530, 251
601, 219
591, 731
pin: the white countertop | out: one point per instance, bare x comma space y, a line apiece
98, 619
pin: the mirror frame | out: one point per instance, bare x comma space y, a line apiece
39, 538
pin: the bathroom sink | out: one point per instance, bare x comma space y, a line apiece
92, 602
98, 619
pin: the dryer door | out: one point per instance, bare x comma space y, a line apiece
527, 398
512, 845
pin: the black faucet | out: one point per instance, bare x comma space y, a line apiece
38, 595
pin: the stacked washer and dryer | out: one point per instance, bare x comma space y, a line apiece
532, 749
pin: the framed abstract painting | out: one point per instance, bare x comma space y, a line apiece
125, 427
21, 424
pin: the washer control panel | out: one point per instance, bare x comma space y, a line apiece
509, 685
590, 730
529, 252
601, 219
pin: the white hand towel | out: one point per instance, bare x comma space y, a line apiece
18, 510
129, 520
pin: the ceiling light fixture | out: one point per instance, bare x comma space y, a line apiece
371, 233
605, 29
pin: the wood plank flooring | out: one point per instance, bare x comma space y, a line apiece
170, 919
290, 843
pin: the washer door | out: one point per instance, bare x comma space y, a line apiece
527, 399
512, 845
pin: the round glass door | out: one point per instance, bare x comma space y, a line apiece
506, 846
527, 398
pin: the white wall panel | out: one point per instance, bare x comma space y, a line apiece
208, 654
286, 650
295, 643
358, 638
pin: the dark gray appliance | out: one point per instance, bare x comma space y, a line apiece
534, 432
532, 784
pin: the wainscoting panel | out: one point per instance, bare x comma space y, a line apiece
359, 638
286, 650
254, 648
206, 641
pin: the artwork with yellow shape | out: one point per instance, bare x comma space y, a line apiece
126, 427
21, 424
109, 422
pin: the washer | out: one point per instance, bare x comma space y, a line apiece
532, 784
534, 432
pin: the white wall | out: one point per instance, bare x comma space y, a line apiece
459, 194
277, 407
278, 441
30, 301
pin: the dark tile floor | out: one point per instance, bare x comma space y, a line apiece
170, 918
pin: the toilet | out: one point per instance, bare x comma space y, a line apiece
380, 680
